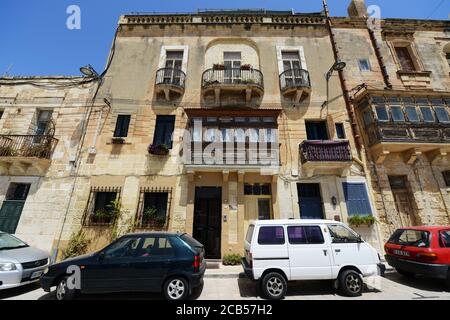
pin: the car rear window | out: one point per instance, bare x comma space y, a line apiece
411, 238
191, 241
271, 235
249, 234
444, 239
305, 235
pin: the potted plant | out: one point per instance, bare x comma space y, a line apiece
150, 218
117, 140
6, 151
149, 215
218, 66
38, 150
246, 67
361, 220
158, 149
102, 216
248, 81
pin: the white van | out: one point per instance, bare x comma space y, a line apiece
277, 251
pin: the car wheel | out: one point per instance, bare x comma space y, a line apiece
62, 290
405, 273
176, 288
350, 283
274, 286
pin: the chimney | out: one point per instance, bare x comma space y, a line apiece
357, 9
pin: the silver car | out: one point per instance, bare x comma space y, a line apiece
20, 264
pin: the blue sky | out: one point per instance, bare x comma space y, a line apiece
36, 41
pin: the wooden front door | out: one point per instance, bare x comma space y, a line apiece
403, 201
404, 208
208, 219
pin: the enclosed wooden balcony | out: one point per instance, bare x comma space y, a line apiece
26, 154
295, 84
325, 157
170, 83
409, 139
235, 85
218, 156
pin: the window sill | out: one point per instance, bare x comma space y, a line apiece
415, 79
414, 73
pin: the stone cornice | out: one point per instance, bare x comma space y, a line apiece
218, 18
394, 24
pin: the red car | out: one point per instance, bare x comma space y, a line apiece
420, 250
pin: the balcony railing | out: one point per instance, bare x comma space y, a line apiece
171, 76
408, 132
294, 78
39, 146
325, 150
234, 76
244, 153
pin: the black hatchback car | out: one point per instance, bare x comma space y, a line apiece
152, 262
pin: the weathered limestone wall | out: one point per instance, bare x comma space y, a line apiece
49, 192
425, 181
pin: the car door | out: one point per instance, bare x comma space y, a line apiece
309, 252
347, 248
111, 270
156, 258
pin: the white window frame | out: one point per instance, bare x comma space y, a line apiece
163, 55
301, 54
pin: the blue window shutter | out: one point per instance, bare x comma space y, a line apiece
357, 199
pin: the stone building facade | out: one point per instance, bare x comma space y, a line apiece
40, 131
398, 76
202, 122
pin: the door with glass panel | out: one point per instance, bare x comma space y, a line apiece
42, 125
291, 67
232, 64
174, 61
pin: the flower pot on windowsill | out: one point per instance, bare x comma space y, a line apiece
361, 220
158, 149
117, 140
218, 66
246, 67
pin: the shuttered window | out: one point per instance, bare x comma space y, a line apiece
122, 124
357, 199
164, 130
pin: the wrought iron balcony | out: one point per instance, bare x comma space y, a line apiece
295, 84
170, 82
39, 146
325, 156
20, 152
234, 80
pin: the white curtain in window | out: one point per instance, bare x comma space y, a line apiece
239, 134
253, 135
210, 135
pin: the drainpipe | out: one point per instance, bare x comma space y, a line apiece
348, 104
380, 59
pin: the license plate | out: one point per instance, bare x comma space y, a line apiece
36, 274
401, 253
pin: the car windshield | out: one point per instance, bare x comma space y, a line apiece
8, 242
411, 238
